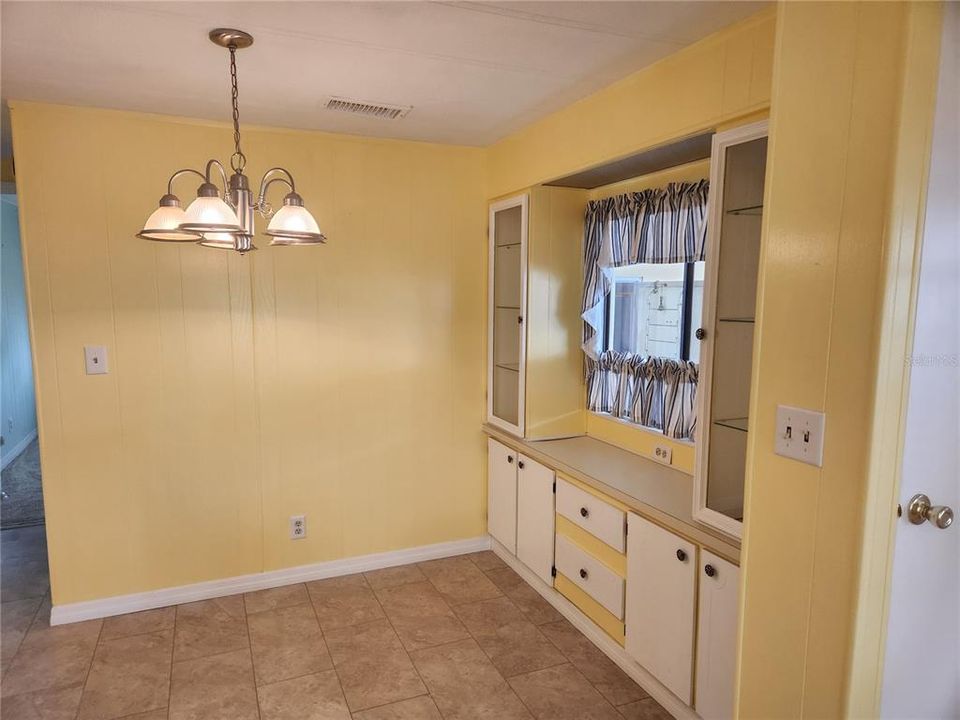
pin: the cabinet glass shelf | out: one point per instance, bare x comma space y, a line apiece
749, 210
733, 423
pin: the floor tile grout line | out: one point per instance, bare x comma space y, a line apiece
400, 640
33, 619
594, 684
253, 669
173, 649
326, 646
86, 678
496, 669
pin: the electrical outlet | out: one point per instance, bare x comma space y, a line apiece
663, 454
799, 434
298, 527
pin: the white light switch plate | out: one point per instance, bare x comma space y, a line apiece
95, 357
799, 434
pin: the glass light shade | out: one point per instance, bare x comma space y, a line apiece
294, 225
210, 215
164, 223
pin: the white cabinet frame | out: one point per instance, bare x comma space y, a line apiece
718, 154
521, 201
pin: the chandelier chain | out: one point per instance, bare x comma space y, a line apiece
238, 160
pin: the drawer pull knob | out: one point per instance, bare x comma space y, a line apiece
710, 570
681, 555
583, 573
584, 512
509, 458
520, 464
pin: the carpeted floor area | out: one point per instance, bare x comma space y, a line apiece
22, 498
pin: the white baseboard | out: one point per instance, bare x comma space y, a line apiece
122, 604
670, 702
14, 452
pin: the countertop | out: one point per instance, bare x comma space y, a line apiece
656, 491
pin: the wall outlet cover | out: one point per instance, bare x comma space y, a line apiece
799, 434
663, 454
298, 527
95, 359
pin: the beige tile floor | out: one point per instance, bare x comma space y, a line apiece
457, 639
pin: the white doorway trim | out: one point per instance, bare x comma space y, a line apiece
903, 243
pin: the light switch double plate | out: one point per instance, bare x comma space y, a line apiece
799, 434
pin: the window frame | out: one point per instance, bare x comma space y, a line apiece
686, 319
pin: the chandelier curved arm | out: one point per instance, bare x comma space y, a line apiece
211, 163
179, 173
269, 177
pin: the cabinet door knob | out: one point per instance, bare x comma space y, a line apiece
681, 555
584, 512
700, 333
520, 464
709, 570
509, 458
583, 573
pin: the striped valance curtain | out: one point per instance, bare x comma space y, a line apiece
660, 225
655, 392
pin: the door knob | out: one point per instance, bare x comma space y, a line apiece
920, 510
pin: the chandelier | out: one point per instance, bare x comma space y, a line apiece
225, 219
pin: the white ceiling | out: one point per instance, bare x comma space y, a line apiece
473, 71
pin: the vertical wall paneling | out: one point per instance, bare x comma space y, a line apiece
342, 382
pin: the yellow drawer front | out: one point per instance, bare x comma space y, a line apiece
591, 608
593, 545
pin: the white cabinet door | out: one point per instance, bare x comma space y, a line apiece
502, 494
661, 581
535, 517
717, 637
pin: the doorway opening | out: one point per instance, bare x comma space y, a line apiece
21, 497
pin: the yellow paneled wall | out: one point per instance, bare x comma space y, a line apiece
724, 76
834, 121
343, 382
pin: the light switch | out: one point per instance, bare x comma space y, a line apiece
799, 434
95, 357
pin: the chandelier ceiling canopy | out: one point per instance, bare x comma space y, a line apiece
225, 219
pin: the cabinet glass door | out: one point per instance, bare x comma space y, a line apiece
737, 184
508, 221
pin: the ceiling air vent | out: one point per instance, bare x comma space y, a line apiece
377, 110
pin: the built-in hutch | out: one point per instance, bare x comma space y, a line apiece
534, 370
640, 556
